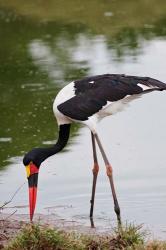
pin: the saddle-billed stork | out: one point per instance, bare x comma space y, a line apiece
87, 101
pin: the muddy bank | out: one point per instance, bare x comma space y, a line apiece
10, 225
8, 230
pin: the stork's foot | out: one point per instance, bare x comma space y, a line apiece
118, 217
92, 222
117, 211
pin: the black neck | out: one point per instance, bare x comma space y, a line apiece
64, 131
38, 155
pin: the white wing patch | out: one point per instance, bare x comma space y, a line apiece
144, 87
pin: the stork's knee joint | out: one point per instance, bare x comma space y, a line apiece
109, 170
95, 169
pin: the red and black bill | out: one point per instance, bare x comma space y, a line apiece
32, 175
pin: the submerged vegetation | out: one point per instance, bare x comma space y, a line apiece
35, 237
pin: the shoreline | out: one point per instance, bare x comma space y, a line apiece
12, 226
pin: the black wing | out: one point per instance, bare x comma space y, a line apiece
92, 93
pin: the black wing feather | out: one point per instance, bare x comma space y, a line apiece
92, 93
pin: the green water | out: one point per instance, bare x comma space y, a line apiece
46, 44
29, 85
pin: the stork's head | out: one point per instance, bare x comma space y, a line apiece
32, 161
